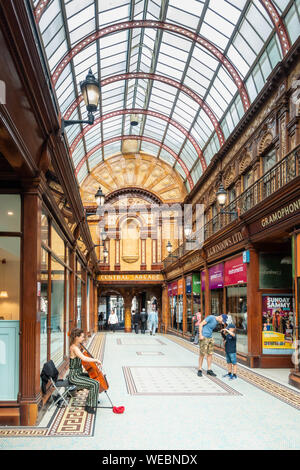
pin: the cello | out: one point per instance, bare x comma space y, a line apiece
94, 371
96, 374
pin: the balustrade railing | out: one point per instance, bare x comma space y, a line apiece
273, 180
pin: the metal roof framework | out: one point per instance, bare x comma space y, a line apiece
189, 70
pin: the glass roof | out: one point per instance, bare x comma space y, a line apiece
189, 70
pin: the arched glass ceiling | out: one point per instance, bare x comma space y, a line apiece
198, 63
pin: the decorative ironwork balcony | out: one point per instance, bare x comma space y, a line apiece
271, 182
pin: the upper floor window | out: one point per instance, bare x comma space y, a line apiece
269, 161
247, 180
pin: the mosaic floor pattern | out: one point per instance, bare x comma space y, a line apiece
172, 381
139, 341
70, 421
275, 389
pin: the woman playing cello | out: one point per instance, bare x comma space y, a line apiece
77, 376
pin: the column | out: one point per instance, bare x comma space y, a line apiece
207, 294
30, 389
127, 296
254, 308
84, 301
72, 294
165, 308
184, 323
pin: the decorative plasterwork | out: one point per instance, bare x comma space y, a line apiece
265, 142
136, 172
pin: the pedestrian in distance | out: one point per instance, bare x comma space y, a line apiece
136, 321
229, 336
206, 341
113, 320
153, 320
144, 317
197, 319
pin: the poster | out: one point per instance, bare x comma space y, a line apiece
235, 272
278, 324
216, 276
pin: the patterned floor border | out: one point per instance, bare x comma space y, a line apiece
72, 421
132, 388
120, 343
283, 393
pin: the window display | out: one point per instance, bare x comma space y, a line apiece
189, 305
57, 311
235, 280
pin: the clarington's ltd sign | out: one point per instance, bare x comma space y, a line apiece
227, 243
282, 213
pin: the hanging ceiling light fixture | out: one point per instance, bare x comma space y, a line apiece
90, 89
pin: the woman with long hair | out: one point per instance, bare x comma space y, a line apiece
77, 376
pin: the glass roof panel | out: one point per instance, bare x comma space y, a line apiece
240, 29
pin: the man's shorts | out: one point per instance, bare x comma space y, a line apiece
206, 346
231, 358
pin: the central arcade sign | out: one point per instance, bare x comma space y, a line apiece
130, 277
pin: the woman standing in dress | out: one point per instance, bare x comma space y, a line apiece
77, 376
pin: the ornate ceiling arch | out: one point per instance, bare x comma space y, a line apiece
267, 4
145, 112
202, 41
138, 138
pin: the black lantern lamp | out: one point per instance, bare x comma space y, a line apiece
169, 249
90, 89
100, 198
221, 197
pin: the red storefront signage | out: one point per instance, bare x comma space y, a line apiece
175, 288
235, 272
170, 290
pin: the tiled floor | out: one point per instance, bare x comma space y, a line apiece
167, 406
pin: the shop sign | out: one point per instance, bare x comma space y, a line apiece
278, 324
235, 272
216, 276
196, 283
170, 290
236, 238
281, 213
273, 274
246, 256
203, 280
130, 277
180, 287
174, 288
188, 284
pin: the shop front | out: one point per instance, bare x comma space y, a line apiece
235, 284
294, 377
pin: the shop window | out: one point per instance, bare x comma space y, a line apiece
9, 278
45, 229
43, 307
10, 213
236, 301
78, 303
57, 311
57, 244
